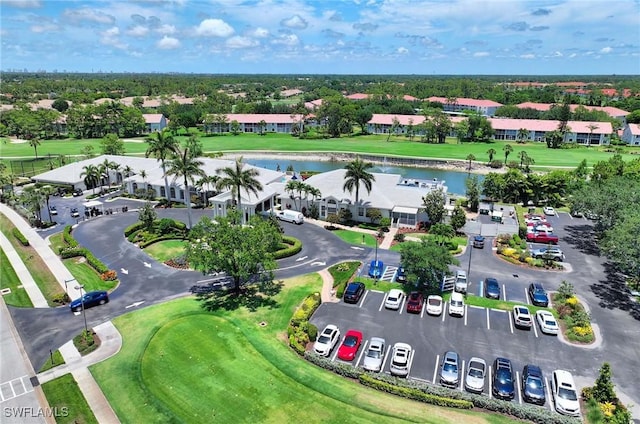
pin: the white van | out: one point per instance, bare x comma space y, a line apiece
291, 216
456, 304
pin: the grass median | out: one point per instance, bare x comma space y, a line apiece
9, 280
67, 401
184, 364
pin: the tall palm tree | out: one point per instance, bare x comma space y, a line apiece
237, 178
208, 184
470, 157
35, 142
491, 153
507, 151
186, 165
358, 172
92, 175
143, 175
292, 187
162, 145
523, 135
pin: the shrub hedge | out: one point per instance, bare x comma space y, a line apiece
72, 249
294, 246
133, 228
21, 238
300, 331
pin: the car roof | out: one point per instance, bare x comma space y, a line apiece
490, 280
503, 362
521, 309
354, 285
434, 296
532, 370
564, 377
330, 327
395, 291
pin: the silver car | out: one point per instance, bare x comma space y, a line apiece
552, 253
450, 370
401, 360
476, 374
375, 355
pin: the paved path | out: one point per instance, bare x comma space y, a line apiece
30, 286
328, 294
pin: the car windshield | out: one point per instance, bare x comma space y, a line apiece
550, 323
567, 394
324, 339
504, 376
434, 302
392, 298
456, 303
450, 367
373, 353
474, 372
350, 341
534, 383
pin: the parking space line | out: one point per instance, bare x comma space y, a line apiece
444, 311
548, 392
518, 384
490, 383
488, 321
462, 376
526, 296
364, 347
424, 306
335, 352
533, 324
435, 369
386, 355
384, 299
404, 299
504, 292
465, 315
510, 321
377, 291
363, 298
413, 352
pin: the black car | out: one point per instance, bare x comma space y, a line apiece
53, 210
401, 276
90, 299
491, 288
538, 295
533, 385
478, 241
75, 213
77, 192
503, 386
354, 292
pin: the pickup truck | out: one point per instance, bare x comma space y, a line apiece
543, 237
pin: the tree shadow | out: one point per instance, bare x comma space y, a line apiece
254, 294
614, 293
582, 238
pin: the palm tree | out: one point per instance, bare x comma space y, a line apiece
92, 175
507, 151
126, 173
523, 156
105, 167
491, 153
237, 178
35, 142
32, 198
470, 157
523, 135
143, 174
292, 187
162, 145
357, 172
208, 184
186, 165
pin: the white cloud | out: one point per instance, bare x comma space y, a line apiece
166, 29
557, 54
528, 56
86, 14
214, 28
23, 4
260, 32
481, 54
237, 42
287, 40
606, 50
111, 32
295, 22
44, 28
138, 31
402, 50
110, 37
168, 43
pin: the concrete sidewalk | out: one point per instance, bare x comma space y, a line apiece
53, 261
30, 286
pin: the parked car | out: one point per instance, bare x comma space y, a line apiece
450, 370
533, 385
553, 253
401, 275
75, 213
414, 302
350, 345
375, 354
434, 304
476, 373
478, 241
53, 210
77, 192
542, 237
394, 299
532, 224
90, 299
461, 281
547, 322
565, 395
354, 292
548, 210
456, 304
491, 288
376, 268
327, 340
502, 385
538, 294
522, 317
400, 359
534, 218
540, 228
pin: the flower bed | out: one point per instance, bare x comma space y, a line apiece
575, 321
514, 249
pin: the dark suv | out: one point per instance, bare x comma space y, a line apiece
491, 288
533, 385
354, 292
503, 386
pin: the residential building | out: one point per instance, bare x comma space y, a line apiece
631, 134
256, 122
581, 132
614, 112
154, 122
460, 105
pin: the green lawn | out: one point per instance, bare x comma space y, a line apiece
355, 237
82, 271
64, 395
384, 286
166, 249
57, 360
183, 364
501, 304
376, 144
9, 279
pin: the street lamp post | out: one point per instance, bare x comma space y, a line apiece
470, 247
66, 290
80, 287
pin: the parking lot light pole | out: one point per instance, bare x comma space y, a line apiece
66, 290
80, 287
470, 247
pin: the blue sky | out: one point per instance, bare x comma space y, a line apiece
323, 37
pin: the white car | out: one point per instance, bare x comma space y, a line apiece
456, 304
400, 360
327, 340
375, 355
548, 210
565, 395
394, 299
476, 373
522, 316
535, 219
434, 305
547, 322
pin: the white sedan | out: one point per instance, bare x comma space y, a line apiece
434, 305
327, 340
548, 210
522, 316
547, 322
394, 299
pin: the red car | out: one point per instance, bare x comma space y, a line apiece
415, 302
350, 345
542, 237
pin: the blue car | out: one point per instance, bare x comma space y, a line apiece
375, 269
90, 299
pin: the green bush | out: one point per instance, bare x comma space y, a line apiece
312, 332
339, 368
21, 238
294, 246
306, 309
133, 228
300, 331
74, 249
61, 299
68, 238
72, 252
343, 272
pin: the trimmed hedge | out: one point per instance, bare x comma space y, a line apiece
73, 249
294, 247
300, 331
146, 243
133, 228
21, 238
68, 238
339, 368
